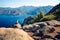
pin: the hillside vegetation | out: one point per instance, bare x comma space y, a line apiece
53, 14
55, 11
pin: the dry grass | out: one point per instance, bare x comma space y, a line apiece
13, 34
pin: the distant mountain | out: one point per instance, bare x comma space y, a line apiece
45, 9
29, 10
56, 11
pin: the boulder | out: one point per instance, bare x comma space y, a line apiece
34, 25
27, 26
44, 23
16, 25
57, 36
13, 34
53, 22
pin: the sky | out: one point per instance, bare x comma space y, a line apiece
19, 3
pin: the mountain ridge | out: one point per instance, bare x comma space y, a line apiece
23, 9
55, 11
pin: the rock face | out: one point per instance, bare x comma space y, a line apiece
13, 34
53, 22
46, 23
16, 25
35, 25
43, 30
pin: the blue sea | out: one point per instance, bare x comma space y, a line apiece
9, 20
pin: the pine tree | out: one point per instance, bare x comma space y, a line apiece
41, 15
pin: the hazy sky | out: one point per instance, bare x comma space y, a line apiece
18, 3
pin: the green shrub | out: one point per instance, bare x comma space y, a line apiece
39, 16
48, 17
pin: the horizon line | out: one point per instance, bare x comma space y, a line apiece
25, 6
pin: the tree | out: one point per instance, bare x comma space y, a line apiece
39, 16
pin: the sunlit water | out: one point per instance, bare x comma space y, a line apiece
8, 20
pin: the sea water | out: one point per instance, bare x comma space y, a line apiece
9, 20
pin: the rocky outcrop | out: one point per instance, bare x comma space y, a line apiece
53, 22
35, 25
46, 23
16, 25
43, 30
13, 34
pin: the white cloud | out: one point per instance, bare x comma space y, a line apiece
18, 3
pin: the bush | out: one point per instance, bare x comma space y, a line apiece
48, 17
39, 16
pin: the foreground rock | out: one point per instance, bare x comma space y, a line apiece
47, 30
13, 34
53, 22
40, 25
16, 25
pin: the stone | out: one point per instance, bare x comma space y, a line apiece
13, 34
16, 25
